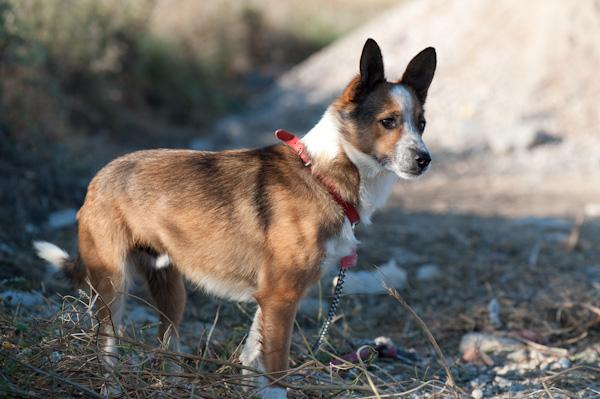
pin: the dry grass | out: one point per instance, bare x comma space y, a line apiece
552, 307
57, 356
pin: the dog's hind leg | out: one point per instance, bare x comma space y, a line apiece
107, 271
168, 292
111, 287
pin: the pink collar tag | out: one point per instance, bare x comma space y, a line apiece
349, 261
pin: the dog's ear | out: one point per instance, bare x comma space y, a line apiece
371, 65
371, 73
419, 72
371, 68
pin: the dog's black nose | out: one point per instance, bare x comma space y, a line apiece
423, 159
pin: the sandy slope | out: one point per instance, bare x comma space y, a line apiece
507, 71
501, 63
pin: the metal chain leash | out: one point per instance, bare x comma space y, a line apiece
337, 292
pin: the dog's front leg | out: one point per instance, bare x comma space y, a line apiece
268, 344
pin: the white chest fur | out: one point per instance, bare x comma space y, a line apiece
338, 247
324, 142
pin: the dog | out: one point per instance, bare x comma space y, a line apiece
253, 225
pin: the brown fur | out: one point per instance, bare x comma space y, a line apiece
255, 217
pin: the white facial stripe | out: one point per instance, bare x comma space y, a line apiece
405, 100
402, 96
411, 140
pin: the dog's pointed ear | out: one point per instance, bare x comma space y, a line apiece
419, 72
371, 66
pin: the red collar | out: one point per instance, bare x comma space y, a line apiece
294, 142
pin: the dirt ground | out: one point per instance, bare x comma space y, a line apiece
491, 239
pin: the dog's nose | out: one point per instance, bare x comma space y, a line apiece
423, 159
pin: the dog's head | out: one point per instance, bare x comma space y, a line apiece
382, 121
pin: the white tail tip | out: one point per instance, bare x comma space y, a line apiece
51, 253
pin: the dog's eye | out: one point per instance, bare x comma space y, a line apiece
389, 123
422, 125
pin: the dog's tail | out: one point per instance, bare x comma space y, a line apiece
74, 269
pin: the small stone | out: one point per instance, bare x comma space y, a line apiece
477, 394
25, 353
428, 272
543, 223
63, 218
6, 345
488, 343
375, 282
592, 210
483, 379
556, 237
202, 143
519, 356
24, 298
561, 364
403, 256
525, 138
542, 137
516, 388
7, 249
502, 382
55, 357
494, 313
312, 306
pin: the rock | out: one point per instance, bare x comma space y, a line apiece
502, 382
592, 210
375, 281
24, 298
542, 137
488, 343
593, 274
7, 249
55, 357
543, 223
141, 314
202, 144
402, 256
556, 237
494, 313
561, 364
428, 272
482, 379
477, 394
31, 228
522, 139
519, 356
62, 218
312, 306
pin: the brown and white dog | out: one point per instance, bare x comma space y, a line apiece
252, 224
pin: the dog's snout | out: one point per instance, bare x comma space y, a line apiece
423, 159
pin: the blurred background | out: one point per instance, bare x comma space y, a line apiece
500, 239
84, 81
